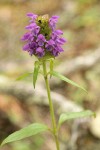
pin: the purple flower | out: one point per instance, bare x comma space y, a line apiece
54, 36
52, 22
36, 30
61, 41
37, 43
26, 47
57, 50
40, 52
51, 42
25, 36
58, 32
50, 45
31, 52
33, 45
31, 26
32, 16
41, 39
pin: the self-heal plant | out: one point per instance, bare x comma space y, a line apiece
45, 42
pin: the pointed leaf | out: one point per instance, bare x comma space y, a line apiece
35, 73
25, 132
58, 75
24, 76
72, 115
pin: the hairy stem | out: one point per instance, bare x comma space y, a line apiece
54, 127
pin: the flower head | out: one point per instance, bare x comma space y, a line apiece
42, 37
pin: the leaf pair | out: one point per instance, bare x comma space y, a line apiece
54, 73
36, 128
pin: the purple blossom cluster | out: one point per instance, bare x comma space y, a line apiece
42, 37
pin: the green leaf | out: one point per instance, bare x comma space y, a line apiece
51, 66
35, 73
58, 75
72, 115
24, 76
28, 131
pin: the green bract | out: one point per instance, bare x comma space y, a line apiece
43, 23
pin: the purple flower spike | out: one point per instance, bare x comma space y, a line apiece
37, 43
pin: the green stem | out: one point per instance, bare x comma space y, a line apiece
55, 132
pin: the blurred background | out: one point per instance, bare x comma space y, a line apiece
20, 104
